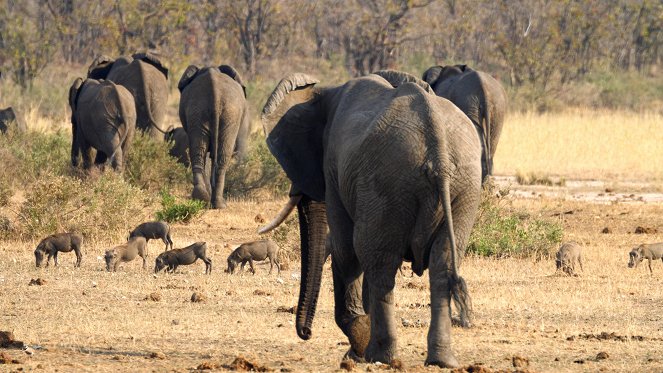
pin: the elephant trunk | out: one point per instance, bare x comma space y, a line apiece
313, 233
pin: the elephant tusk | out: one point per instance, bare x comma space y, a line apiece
280, 218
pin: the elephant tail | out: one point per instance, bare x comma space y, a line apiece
485, 134
75, 146
459, 290
214, 151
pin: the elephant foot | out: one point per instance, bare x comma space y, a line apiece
219, 205
352, 355
200, 194
443, 359
359, 334
463, 323
380, 352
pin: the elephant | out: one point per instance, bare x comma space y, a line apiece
103, 117
145, 76
394, 173
480, 96
215, 114
180, 148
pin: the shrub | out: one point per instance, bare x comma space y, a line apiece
150, 167
534, 178
501, 233
5, 191
259, 171
27, 156
286, 237
98, 208
172, 211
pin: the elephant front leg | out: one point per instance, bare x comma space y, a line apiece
348, 311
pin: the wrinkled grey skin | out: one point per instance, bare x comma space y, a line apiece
567, 256
146, 77
480, 97
180, 148
103, 117
214, 113
250, 251
136, 246
645, 251
387, 165
7, 118
64, 242
153, 230
173, 258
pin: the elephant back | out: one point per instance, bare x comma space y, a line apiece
191, 72
100, 67
398, 78
153, 60
231, 72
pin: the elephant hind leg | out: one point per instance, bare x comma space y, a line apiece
117, 160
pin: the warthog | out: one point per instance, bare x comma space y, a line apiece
55, 243
568, 254
127, 252
185, 256
250, 251
153, 230
645, 251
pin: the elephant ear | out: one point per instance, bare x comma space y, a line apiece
231, 72
153, 60
431, 75
74, 91
187, 77
398, 78
293, 123
100, 67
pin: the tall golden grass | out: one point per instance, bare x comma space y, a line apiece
583, 143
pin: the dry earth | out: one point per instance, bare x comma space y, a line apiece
607, 319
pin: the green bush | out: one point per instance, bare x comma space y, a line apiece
28, 156
98, 208
259, 171
150, 167
172, 211
501, 233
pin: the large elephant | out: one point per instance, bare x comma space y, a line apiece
387, 164
103, 117
479, 96
215, 114
145, 76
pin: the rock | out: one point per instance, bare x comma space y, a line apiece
645, 230
157, 355
606, 230
198, 297
6, 359
348, 365
154, 297
37, 281
7, 340
259, 219
519, 361
602, 355
286, 309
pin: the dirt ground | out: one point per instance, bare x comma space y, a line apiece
86, 319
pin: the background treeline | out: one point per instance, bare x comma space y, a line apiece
549, 54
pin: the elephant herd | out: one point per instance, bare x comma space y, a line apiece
383, 168
131, 92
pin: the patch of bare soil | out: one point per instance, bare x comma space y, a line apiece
241, 364
154, 297
605, 336
261, 292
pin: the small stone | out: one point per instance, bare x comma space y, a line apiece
259, 219
606, 230
198, 297
348, 365
602, 355
154, 297
519, 361
37, 281
157, 355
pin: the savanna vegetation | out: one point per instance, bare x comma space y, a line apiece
585, 89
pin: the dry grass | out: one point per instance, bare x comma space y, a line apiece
91, 320
582, 144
